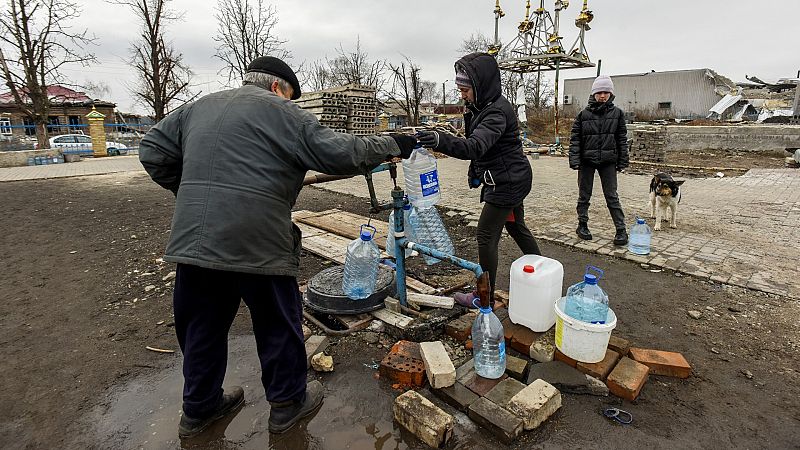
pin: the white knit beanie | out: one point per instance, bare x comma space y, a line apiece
603, 83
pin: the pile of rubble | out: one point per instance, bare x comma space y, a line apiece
347, 109
648, 143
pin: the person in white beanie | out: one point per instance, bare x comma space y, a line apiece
599, 142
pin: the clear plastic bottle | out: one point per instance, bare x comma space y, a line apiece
422, 178
361, 265
429, 230
488, 344
639, 242
586, 301
406, 229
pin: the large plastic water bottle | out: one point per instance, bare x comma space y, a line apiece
422, 178
429, 230
406, 229
586, 301
639, 242
361, 265
488, 344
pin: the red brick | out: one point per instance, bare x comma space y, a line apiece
480, 385
403, 365
619, 345
510, 328
627, 379
460, 329
669, 364
601, 369
558, 356
523, 339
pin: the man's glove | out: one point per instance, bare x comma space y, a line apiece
406, 144
428, 139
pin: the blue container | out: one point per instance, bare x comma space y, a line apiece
37, 160
586, 301
639, 242
488, 345
31, 161
429, 230
361, 265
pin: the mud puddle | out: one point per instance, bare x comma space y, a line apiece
357, 412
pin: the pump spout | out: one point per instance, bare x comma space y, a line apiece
484, 290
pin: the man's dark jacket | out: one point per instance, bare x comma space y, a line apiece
599, 136
236, 160
492, 142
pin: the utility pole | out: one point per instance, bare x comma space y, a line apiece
444, 98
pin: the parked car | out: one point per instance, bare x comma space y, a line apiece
81, 144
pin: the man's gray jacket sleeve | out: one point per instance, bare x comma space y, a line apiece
327, 151
161, 154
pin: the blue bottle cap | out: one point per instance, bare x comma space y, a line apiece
590, 278
486, 310
641, 221
407, 206
366, 236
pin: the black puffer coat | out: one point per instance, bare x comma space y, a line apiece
599, 136
492, 142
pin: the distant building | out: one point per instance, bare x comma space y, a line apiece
679, 94
68, 109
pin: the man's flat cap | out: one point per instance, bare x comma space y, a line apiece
274, 66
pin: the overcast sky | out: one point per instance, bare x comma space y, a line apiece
734, 37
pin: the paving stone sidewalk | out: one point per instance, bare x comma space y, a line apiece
739, 230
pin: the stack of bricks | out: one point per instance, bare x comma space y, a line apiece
347, 109
648, 143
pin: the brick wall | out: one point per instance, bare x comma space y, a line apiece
644, 140
647, 143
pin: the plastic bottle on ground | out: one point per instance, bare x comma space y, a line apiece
639, 242
586, 301
488, 344
361, 265
421, 178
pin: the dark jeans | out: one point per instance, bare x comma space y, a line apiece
608, 178
490, 228
206, 302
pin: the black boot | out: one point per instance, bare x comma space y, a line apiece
583, 231
231, 401
284, 415
621, 238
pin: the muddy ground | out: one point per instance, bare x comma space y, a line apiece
83, 294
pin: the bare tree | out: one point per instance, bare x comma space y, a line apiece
539, 92
316, 77
162, 76
245, 31
430, 94
355, 67
38, 41
407, 89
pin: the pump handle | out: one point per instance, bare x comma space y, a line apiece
596, 269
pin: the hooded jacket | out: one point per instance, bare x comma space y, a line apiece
492, 137
599, 136
236, 161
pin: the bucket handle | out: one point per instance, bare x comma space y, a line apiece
596, 269
368, 228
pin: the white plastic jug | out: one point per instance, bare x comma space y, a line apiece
536, 283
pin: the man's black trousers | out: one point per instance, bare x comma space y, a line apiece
608, 178
206, 302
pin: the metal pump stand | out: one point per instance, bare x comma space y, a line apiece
401, 242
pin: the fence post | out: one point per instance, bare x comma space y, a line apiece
97, 132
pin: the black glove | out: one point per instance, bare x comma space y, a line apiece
574, 167
428, 139
406, 144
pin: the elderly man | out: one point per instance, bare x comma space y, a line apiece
236, 161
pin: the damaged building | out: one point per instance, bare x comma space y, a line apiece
679, 94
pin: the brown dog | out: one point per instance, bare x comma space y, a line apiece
664, 193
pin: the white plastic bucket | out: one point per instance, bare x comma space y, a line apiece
582, 341
536, 283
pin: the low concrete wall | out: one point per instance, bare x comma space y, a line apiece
744, 138
14, 159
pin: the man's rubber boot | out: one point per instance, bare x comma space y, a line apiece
231, 401
621, 238
284, 415
583, 231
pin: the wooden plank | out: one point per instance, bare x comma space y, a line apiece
392, 318
348, 225
309, 231
435, 301
419, 286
